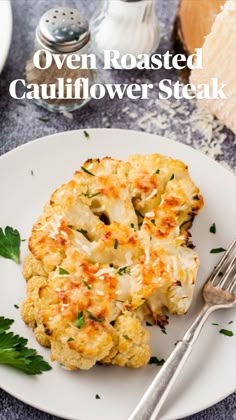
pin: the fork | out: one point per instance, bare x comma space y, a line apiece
218, 292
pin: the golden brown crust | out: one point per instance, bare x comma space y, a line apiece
111, 246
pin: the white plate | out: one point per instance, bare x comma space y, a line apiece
5, 30
210, 372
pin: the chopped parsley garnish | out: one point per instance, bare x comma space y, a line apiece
97, 397
226, 332
10, 244
126, 337
13, 351
83, 231
230, 322
86, 171
70, 339
148, 324
43, 119
16, 306
62, 271
111, 265
139, 214
157, 171
80, 320
86, 134
153, 222
214, 323
86, 284
162, 327
132, 225
172, 177
112, 323
124, 270
94, 318
87, 194
116, 243
155, 361
213, 228
217, 250
196, 197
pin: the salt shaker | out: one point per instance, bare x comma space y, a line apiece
129, 26
62, 31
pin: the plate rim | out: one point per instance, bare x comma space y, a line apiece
52, 137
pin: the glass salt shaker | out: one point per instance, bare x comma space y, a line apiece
129, 26
62, 31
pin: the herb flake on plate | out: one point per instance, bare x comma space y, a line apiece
226, 332
213, 228
155, 361
80, 320
43, 119
97, 397
10, 244
217, 250
86, 134
63, 272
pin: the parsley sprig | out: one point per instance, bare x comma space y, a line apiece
88, 195
13, 351
10, 244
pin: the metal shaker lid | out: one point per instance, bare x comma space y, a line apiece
63, 30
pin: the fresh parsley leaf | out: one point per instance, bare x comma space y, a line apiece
62, 271
86, 284
5, 323
226, 332
43, 119
86, 134
172, 177
155, 361
132, 225
94, 318
124, 270
217, 250
112, 323
80, 320
10, 244
126, 337
86, 171
157, 171
214, 323
13, 351
116, 243
70, 339
153, 222
16, 306
87, 194
83, 231
196, 197
97, 397
213, 228
230, 322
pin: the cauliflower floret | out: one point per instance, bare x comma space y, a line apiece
132, 343
111, 246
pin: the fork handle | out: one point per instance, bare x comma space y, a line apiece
153, 399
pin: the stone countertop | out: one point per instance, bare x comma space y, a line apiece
180, 120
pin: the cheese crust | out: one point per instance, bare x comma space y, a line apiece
110, 250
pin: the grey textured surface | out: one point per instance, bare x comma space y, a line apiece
180, 120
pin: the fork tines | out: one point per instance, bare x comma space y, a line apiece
224, 274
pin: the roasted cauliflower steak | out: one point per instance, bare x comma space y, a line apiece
110, 250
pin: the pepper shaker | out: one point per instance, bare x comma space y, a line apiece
129, 26
62, 31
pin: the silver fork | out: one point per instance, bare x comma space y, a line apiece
218, 292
